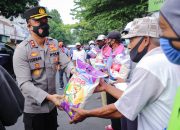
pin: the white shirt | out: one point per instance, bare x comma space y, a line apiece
81, 55
150, 94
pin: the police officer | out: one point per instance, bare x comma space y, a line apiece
36, 60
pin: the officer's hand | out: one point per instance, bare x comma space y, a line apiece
73, 71
80, 115
56, 99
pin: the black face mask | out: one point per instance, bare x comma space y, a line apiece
135, 55
44, 27
100, 46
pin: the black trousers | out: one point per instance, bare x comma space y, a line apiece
45, 121
116, 123
61, 82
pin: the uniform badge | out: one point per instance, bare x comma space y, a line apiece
36, 72
42, 11
37, 66
34, 54
52, 47
32, 44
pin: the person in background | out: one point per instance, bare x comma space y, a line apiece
116, 56
105, 50
62, 47
61, 70
35, 64
92, 51
103, 54
79, 53
150, 93
170, 44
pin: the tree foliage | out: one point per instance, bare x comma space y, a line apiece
15, 7
58, 30
103, 16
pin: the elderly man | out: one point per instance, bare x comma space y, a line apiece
170, 43
150, 93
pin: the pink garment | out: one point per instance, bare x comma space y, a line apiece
106, 51
118, 50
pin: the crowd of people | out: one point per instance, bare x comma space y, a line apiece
141, 91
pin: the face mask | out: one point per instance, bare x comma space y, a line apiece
101, 45
42, 30
92, 46
111, 43
172, 53
78, 48
127, 41
135, 55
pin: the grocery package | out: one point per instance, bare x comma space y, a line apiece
120, 66
80, 87
99, 62
92, 53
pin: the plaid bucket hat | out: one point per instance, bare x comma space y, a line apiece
146, 26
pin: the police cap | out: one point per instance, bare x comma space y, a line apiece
36, 13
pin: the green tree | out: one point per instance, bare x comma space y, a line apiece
103, 16
10, 8
58, 30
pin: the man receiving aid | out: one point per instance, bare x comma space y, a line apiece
36, 60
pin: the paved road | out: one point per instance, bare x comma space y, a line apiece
63, 119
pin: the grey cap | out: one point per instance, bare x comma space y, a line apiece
146, 26
171, 12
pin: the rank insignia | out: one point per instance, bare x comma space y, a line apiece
34, 54
36, 72
52, 47
37, 66
32, 44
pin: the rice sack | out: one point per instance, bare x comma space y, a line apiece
80, 87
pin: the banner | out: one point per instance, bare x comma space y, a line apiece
155, 5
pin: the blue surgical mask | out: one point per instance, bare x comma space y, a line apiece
127, 41
172, 53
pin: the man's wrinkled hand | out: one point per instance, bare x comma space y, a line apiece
101, 87
80, 115
119, 80
73, 71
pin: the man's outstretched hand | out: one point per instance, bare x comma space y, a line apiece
80, 115
101, 87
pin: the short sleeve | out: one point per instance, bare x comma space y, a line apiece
143, 89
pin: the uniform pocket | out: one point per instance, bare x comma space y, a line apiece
36, 69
